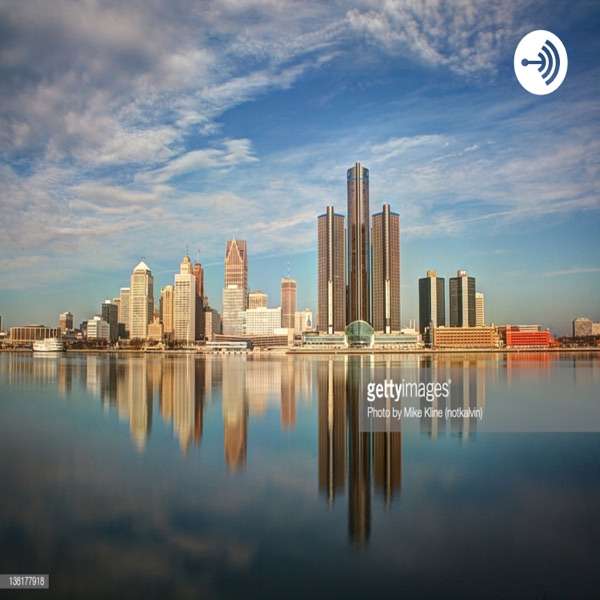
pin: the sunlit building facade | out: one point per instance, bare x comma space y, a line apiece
184, 303
141, 301
331, 272
385, 239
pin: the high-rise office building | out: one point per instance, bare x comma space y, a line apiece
65, 322
479, 309
462, 300
236, 265
166, 309
303, 320
358, 304
184, 303
141, 301
385, 239
262, 321
124, 308
212, 323
582, 326
110, 314
98, 329
257, 299
234, 303
199, 319
288, 302
432, 302
331, 272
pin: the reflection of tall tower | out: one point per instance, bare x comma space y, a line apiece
166, 389
199, 376
386, 270
359, 500
331, 314
358, 305
183, 400
140, 402
288, 394
387, 453
331, 382
235, 414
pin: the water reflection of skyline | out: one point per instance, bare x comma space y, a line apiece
354, 467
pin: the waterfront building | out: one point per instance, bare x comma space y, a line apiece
26, 334
358, 304
288, 302
464, 337
479, 309
525, 336
98, 329
184, 303
262, 321
236, 266
432, 302
303, 320
200, 300
110, 314
331, 310
582, 326
65, 322
141, 301
462, 300
124, 304
234, 302
166, 309
256, 299
155, 330
385, 239
212, 323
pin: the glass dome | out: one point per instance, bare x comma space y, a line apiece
360, 333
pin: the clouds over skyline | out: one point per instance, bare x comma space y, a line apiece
140, 128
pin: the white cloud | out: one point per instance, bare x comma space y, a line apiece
467, 37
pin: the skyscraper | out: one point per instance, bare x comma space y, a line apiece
236, 265
184, 303
234, 302
432, 301
141, 301
257, 299
385, 237
110, 314
331, 272
65, 322
479, 309
124, 308
199, 305
288, 302
462, 300
358, 305
166, 309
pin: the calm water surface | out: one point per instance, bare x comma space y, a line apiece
155, 476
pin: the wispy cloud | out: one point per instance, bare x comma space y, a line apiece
572, 271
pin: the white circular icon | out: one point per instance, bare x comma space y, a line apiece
541, 62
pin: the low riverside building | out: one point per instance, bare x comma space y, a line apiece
360, 334
526, 336
255, 341
98, 329
464, 337
155, 330
27, 334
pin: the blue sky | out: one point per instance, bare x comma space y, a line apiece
145, 129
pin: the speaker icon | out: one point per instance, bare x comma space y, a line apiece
551, 62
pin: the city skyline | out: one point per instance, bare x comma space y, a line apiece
116, 150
